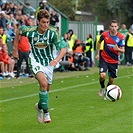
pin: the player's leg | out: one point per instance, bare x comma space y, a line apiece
43, 95
103, 68
48, 88
49, 76
112, 73
44, 77
102, 83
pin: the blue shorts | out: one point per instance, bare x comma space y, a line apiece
112, 68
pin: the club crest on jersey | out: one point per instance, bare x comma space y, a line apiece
117, 40
40, 45
35, 38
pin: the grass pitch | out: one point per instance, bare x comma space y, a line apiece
73, 104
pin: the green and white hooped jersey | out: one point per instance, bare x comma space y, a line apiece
41, 45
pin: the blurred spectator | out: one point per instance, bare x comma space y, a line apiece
1, 62
1, 42
71, 38
80, 60
8, 62
25, 19
9, 32
10, 19
3, 35
42, 5
23, 51
96, 43
31, 22
65, 40
54, 18
12, 8
71, 67
123, 30
97, 39
30, 9
45, 6
7, 8
61, 66
3, 1
19, 9
131, 27
2, 74
129, 48
3, 6
89, 48
2, 19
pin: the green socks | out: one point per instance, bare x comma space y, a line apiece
43, 102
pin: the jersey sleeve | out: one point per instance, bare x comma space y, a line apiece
101, 38
122, 40
122, 43
24, 29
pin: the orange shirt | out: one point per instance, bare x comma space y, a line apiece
70, 59
4, 57
23, 44
78, 50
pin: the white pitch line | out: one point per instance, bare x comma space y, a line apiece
66, 88
31, 95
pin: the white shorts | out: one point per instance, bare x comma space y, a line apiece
47, 70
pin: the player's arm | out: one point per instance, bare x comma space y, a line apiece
61, 47
61, 54
119, 49
98, 49
15, 45
59, 57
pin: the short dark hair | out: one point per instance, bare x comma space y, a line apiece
113, 21
101, 31
43, 14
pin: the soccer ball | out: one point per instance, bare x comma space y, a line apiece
113, 93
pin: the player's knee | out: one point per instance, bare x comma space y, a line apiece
43, 85
111, 81
102, 76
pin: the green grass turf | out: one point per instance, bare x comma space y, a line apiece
73, 104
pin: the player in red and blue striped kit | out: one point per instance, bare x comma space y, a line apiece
108, 58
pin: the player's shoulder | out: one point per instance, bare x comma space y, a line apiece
120, 35
52, 28
28, 28
105, 33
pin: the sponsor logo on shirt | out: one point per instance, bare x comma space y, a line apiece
111, 45
40, 45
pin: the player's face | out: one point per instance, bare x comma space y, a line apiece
43, 25
113, 28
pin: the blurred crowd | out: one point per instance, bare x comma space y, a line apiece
79, 53
13, 16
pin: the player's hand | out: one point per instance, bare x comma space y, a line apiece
53, 63
116, 47
97, 57
15, 53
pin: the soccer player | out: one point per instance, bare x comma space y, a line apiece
42, 38
108, 59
